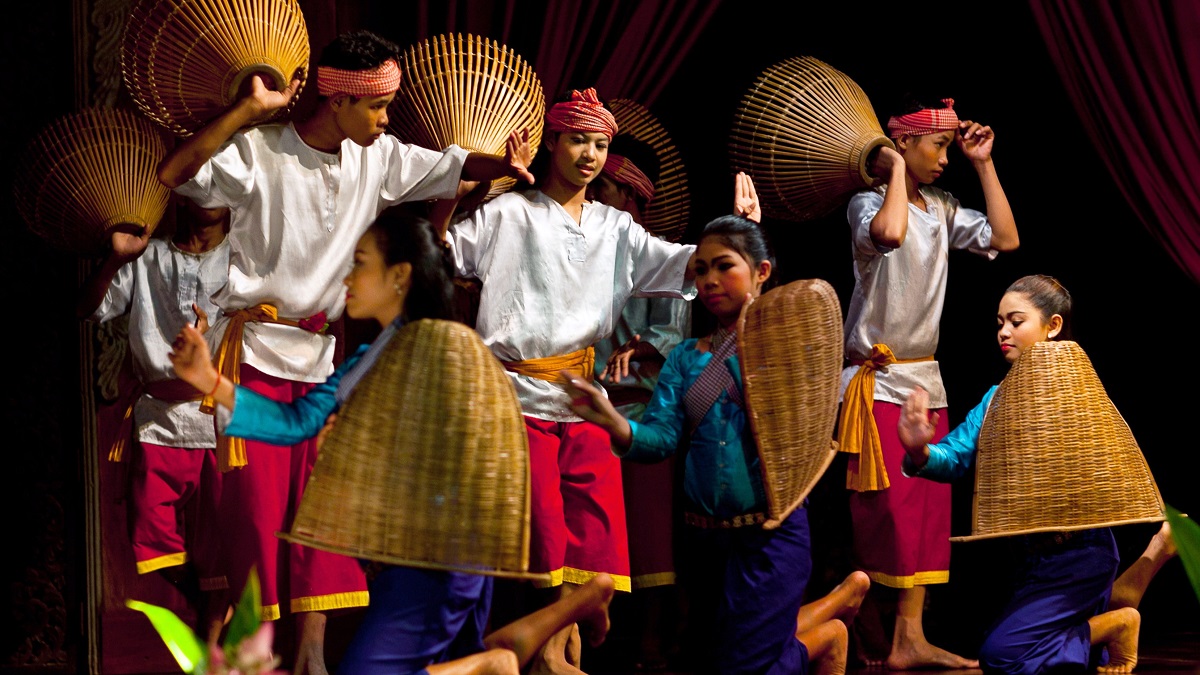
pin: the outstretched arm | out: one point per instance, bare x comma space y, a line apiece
591, 404
185, 160
889, 227
975, 141
125, 248
514, 163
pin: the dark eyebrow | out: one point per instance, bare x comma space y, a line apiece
719, 258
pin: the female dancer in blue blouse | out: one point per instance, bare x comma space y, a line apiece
1067, 614
745, 585
418, 621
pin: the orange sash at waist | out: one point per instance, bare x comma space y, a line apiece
857, 433
581, 363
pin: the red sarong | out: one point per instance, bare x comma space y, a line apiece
577, 508
259, 500
174, 499
902, 533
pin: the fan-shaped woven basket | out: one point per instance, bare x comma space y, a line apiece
468, 91
790, 348
88, 172
185, 61
667, 214
428, 464
804, 132
1054, 453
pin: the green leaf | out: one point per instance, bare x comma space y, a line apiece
1186, 533
247, 616
188, 651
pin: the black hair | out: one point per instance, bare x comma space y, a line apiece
358, 50
747, 238
913, 102
405, 237
1049, 296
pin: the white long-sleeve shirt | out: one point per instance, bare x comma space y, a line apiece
552, 286
157, 290
296, 214
899, 293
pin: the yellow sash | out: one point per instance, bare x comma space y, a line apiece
857, 433
231, 452
581, 363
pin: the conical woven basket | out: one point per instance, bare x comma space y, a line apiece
804, 132
468, 91
428, 464
1054, 453
790, 347
89, 172
667, 214
185, 61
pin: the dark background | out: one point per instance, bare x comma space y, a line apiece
1133, 305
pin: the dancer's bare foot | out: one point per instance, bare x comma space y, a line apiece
1130, 587
828, 646
1162, 543
599, 593
1118, 632
310, 654
911, 651
854, 588
552, 658
490, 662
842, 603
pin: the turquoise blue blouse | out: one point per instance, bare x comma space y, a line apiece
952, 456
259, 418
721, 470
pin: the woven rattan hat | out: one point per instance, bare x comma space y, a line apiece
667, 214
89, 172
468, 91
790, 347
1054, 453
804, 132
428, 464
185, 61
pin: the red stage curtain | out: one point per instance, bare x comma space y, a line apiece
1132, 69
624, 48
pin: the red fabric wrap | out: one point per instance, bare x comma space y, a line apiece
379, 81
927, 121
626, 172
583, 112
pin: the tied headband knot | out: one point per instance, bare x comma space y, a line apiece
926, 121
626, 172
379, 81
584, 112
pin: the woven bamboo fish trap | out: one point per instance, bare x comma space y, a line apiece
790, 348
428, 464
1054, 453
667, 214
90, 172
805, 132
467, 91
186, 61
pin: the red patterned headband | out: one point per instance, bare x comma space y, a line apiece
626, 172
379, 81
927, 121
583, 112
